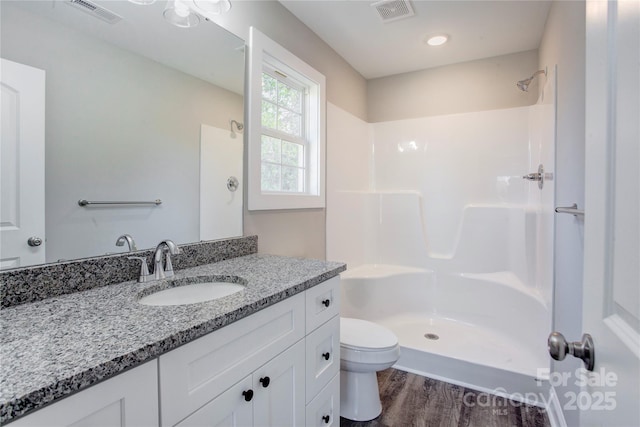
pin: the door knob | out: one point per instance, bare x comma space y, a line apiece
584, 350
34, 241
232, 183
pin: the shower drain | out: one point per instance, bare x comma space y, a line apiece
431, 336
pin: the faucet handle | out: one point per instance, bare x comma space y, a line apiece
168, 267
144, 269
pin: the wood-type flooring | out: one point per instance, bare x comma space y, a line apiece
410, 400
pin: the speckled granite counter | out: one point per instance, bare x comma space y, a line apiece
54, 347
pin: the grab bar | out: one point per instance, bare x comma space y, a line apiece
84, 202
573, 210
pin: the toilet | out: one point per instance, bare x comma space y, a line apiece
365, 348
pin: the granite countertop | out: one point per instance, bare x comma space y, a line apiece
54, 347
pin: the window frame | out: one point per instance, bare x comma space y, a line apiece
265, 53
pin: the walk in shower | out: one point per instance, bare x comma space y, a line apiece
450, 246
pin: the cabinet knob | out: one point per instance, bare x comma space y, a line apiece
326, 302
326, 355
248, 395
265, 381
326, 419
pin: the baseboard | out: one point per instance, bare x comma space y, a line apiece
554, 410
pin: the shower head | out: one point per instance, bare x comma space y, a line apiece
523, 85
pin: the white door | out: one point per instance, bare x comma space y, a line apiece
21, 165
611, 304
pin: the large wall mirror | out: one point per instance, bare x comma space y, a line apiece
135, 110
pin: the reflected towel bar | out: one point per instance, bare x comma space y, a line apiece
84, 202
573, 210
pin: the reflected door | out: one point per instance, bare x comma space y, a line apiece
22, 239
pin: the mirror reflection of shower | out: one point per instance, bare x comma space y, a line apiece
523, 85
238, 126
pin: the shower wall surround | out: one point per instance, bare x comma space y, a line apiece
450, 173
438, 207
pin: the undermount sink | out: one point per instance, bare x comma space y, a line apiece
193, 290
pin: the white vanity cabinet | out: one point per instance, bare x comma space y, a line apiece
128, 399
322, 382
277, 367
270, 396
273, 368
192, 375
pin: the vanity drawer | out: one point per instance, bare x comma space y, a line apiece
323, 302
324, 409
323, 356
192, 375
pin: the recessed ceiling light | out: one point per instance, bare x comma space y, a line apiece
437, 40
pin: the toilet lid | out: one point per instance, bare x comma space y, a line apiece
363, 335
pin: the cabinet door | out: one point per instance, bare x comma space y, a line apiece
233, 408
280, 400
128, 399
324, 409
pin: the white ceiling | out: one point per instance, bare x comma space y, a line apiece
477, 29
145, 32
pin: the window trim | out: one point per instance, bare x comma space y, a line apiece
265, 52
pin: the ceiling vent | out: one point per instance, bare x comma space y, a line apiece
95, 10
393, 10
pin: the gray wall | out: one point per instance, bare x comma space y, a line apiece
346, 88
296, 232
118, 126
484, 84
563, 43
473, 86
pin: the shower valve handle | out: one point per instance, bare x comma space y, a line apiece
537, 176
533, 177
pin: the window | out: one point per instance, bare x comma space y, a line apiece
286, 133
283, 139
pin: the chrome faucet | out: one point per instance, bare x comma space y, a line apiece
159, 271
130, 242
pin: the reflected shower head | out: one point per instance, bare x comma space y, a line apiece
523, 85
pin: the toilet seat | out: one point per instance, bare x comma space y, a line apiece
361, 335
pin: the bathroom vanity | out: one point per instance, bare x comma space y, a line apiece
268, 355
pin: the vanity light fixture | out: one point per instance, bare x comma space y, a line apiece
212, 7
437, 40
179, 14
